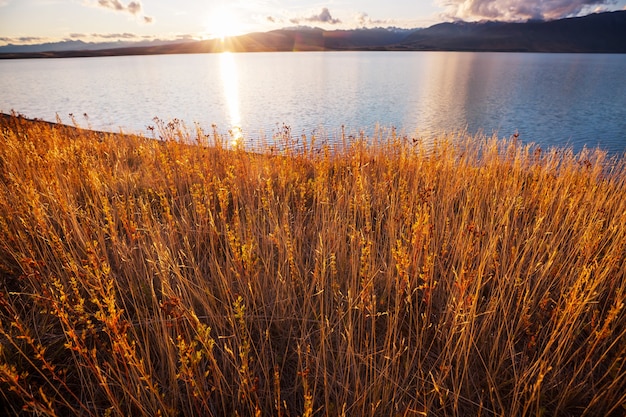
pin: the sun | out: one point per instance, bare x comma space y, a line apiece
222, 23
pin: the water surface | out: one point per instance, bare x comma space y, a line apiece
552, 99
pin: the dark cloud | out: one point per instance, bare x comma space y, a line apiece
133, 7
77, 35
271, 19
148, 19
516, 10
323, 17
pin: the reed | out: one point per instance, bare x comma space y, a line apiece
383, 276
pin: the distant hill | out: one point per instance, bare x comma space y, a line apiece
603, 32
282, 40
312, 39
599, 33
78, 45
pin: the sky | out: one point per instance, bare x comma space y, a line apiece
40, 21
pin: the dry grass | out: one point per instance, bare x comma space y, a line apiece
143, 277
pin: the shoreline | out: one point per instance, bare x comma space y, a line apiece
12, 121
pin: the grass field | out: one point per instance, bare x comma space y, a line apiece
386, 276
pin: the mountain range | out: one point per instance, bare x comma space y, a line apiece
595, 33
78, 45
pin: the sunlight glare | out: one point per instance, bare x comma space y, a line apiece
230, 81
222, 23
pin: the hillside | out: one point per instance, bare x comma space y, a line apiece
282, 40
604, 32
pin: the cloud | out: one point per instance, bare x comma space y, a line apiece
517, 10
23, 39
114, 35
134, 7
363, 20
271, 19
323, 17
30, 39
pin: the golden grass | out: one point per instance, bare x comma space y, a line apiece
472, 276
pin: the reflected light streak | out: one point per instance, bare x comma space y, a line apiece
230, 81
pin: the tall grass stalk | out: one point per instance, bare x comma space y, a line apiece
380, 277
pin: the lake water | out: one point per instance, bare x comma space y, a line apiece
551, 99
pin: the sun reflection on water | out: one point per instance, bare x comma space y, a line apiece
230, 81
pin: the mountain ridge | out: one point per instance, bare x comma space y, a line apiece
79, 45
601, 32
594, 33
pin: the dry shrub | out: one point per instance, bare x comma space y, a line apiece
380, 276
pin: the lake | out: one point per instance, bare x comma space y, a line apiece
551, 99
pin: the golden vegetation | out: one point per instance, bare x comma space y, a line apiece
469, 276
